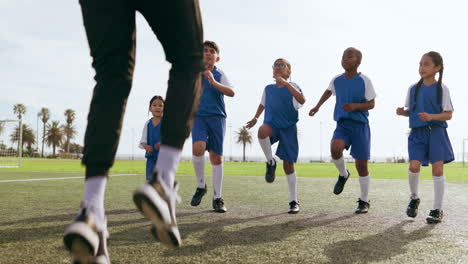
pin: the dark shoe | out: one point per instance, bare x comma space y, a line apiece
85, 243
197, 197
363, 207
339, 185
293, 207
156, 201
435, 216
218, 205
270, 172
412, 210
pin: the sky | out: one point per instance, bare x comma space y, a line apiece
45, 62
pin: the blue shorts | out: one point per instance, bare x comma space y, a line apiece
355, 135
150, 164
210, 129
427, 144
288, 148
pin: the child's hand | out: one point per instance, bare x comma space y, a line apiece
148, 149
400, 111
157, 145
349, 107
209, 76
251, 123
281, 82
425, 117
314, 110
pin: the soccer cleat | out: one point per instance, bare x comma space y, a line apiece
270, 172
294, 207
218, 205
363, 207
412, 210
156, 202
435, 216
85, 243
339, 185
197, 197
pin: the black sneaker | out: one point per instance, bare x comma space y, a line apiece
339, 185
435, 216
294, 207
412, 210
197, 197
270, 172
363, 207
218, 205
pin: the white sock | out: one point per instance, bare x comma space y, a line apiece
266, 147
439, 188
94, 190
199, 166
292, 184
217, 180
364, 183
341, 166
168, 160
413, 178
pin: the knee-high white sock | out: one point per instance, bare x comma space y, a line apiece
168, 160
266, 147
217, 180
199, 166
364, 183
413, 179
292, 184
439, 188
341, 166
94, 190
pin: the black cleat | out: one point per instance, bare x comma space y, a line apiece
197, 197
294, 207
218, 205
270, 172
435, 216
339, 185
412, 210
363, 207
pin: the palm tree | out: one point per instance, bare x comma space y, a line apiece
69, 130
45, 115
19, 110
54, 135
28, 136
244, 137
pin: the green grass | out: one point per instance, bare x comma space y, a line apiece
256, 229
454, 171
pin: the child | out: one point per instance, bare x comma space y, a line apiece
151, 136
428, 106
209, 127
281, 102
355, 95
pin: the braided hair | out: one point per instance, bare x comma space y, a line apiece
438, 61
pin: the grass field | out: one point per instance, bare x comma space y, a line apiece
256, 229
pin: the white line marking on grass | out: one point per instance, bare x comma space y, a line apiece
64, 178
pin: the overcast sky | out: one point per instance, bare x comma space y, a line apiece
45, 62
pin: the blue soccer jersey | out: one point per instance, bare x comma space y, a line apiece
212, 100
280, 106
358, 89
150, 136
426, 101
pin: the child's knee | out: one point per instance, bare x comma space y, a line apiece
215, 159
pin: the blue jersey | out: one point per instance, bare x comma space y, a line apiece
358, 89
151, 136
212, 100
426, 101
280, 106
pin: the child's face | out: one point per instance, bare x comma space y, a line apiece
210, 56
350, 60
427, 68
157, 108
280, 69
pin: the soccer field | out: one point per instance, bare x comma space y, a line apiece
256, 228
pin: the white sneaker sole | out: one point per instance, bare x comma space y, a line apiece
82, 242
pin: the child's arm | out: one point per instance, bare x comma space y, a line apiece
359, 106
281, 82
252, 122
322, 100
225, 89
402, 111
444, 116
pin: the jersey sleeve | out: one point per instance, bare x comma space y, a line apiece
224, 79
262, 102
331, 86
144, 139
408, 95
446, 99
296, 104
369, 93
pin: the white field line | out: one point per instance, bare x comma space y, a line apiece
64, 178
